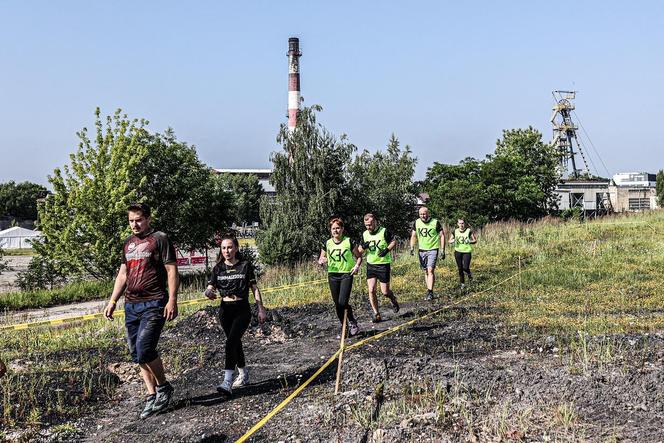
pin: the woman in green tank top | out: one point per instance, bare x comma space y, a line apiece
343, 260
463, 238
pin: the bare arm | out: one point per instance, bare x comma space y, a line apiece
118, 289
262, 314
413, 240
442, 239
473, 239
171, 309
358, 260
322, 258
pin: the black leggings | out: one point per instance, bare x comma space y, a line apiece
463, 264
340, 287
235, 318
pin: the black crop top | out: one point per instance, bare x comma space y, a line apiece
233, 279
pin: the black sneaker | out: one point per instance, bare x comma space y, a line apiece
429, 296
148, 409
376, 318
393, 300
164, 394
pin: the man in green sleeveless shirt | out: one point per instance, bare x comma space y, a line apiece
378, 242
429, 235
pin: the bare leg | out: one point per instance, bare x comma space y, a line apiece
153, 374
385, 289
373, 300
431, 279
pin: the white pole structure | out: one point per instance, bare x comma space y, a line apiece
293, 81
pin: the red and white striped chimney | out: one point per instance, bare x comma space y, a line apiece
293, 81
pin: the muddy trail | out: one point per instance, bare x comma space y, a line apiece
457, 376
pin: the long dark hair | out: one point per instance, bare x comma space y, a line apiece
232, 237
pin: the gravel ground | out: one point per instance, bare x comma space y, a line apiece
448, 378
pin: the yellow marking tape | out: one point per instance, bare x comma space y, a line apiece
288, 399
120, 312
391, 330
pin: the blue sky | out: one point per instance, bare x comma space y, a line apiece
445, 77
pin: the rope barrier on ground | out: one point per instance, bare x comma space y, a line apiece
120, 312
361, 343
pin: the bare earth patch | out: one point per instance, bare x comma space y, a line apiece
449, 378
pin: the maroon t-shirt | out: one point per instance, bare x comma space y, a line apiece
145, 258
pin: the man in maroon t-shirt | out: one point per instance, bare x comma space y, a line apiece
149, 279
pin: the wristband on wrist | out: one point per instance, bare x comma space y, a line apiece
112, 301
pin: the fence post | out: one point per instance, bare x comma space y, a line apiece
519, 276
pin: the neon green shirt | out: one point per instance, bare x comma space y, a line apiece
462, 240
339, 255
377, 242
428, 234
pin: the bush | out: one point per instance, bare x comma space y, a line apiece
3, 264
41, 298
41, 274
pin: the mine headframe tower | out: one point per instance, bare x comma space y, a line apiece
564, 134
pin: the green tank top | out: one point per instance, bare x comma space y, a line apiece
339, 256
427, 237
462, 240
376, 244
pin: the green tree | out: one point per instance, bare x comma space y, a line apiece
522, 176
383, 184
517, 181
659, 188
84, 220
247, 192
312, 182
457, 191
19, 200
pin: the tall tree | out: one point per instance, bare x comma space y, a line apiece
659, 188
19, 200
84, 221
247, 192
457, 191
311, 179
517, 181
383, 185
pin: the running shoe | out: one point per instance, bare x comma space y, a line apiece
225, 388
463, 286
242, 378
376, 318
163, 399
395, 303
148, 408
429, 296
354, 329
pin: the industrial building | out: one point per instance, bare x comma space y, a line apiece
624, 192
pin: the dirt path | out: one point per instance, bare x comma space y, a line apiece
17, 264
450, 378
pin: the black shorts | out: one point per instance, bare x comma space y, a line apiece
381, 272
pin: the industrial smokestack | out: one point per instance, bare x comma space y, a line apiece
293, 81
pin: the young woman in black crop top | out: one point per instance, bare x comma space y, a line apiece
232, 278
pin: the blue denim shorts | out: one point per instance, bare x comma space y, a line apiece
144, 322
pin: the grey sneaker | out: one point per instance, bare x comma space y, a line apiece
225, 388
148, 409
164, 394
354, 329
242, 378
